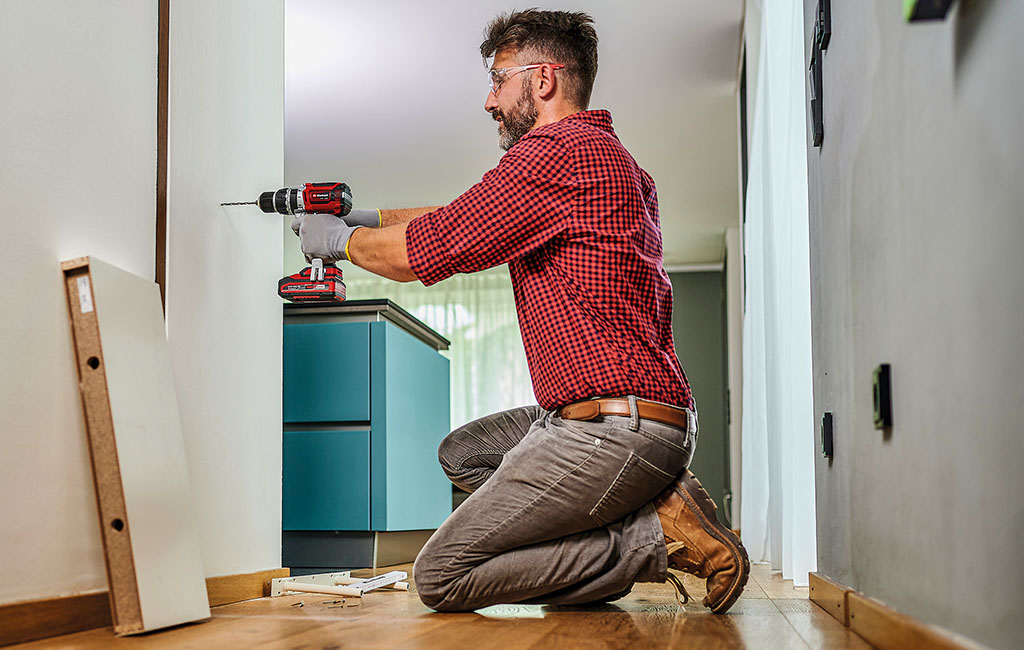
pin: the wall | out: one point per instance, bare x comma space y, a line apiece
915, 227
734, 355
226, 143
698, 326
77, 170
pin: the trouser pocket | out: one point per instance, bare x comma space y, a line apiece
636, 483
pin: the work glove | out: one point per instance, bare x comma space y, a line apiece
363, 217
324, 236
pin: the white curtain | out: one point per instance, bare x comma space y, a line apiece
478, 315
777, 516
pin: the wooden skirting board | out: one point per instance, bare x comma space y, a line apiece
830, 596
243, 586
877, 623
39, 619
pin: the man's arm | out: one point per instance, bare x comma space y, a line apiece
382, 250
403, 215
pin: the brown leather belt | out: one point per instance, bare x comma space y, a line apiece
592, 408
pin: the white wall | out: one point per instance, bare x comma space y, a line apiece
77, 170
915, 227
734, 342
226, 143
77, 173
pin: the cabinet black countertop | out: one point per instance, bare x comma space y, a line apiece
365, 311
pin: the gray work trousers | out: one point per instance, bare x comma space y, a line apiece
560, 510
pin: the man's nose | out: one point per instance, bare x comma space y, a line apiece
491, 103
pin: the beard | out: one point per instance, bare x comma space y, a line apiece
518, 120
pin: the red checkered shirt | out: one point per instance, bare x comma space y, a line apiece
576, 219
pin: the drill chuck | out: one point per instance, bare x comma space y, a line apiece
284, 201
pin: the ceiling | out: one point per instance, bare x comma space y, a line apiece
388, 97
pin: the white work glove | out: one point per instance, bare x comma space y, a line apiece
324, 236
363, 217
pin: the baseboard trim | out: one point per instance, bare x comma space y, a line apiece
39, 619
887, 629
877, 623
830, 596
224, 590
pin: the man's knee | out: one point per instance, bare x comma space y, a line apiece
431, 589
448, 454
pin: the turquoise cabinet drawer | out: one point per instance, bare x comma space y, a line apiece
326, 480
327, 372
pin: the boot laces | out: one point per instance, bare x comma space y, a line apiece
681, 594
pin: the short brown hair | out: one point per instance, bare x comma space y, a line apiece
566, 37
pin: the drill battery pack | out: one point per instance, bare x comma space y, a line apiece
317, 283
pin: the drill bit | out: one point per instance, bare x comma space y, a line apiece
241, 203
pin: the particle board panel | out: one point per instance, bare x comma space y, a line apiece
830, 596
148, 529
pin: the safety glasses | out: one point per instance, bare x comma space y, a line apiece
498, 76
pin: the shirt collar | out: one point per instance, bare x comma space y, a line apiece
599, 118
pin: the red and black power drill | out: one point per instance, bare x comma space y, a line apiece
319, 282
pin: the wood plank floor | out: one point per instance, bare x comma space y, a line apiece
770, 614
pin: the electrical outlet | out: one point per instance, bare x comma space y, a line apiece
882, 390
915, 10
827, 442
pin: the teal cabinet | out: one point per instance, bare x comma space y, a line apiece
366, 404
328, 480
410, 384
326, 371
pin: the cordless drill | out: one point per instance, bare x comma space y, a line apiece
319, 282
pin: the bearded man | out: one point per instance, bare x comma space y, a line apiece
576, 499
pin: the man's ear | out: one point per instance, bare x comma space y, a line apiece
545, 82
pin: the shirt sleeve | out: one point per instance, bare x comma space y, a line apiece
517, 207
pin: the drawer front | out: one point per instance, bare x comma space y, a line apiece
326, 480
326, 372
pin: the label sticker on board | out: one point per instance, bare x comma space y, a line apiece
84, 295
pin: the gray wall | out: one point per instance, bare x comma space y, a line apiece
916, 206
698, 325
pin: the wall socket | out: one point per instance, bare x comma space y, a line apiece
882, 390
827, 441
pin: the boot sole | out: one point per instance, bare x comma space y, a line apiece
704, 508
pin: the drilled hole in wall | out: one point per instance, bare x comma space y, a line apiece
93, 362
117, 525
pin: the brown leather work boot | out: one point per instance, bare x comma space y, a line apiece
697, 543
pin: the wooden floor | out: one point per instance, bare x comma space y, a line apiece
770, 614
